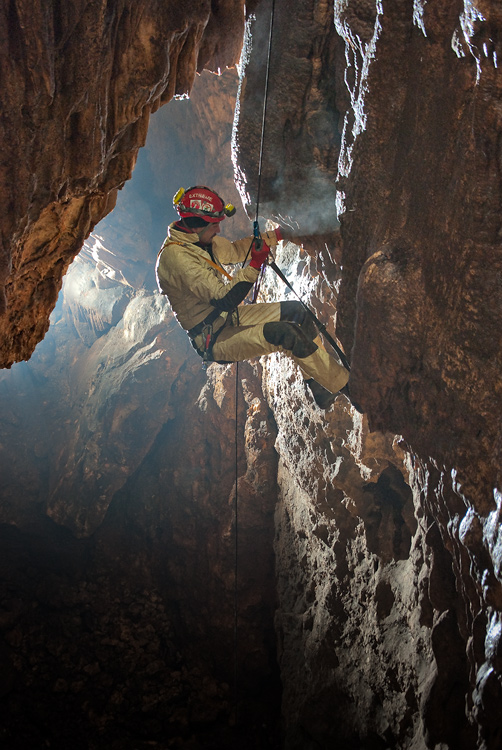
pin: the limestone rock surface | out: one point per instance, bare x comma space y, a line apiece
413, 275
79, 83
378, 621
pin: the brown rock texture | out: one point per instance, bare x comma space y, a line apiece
421, 243
79, 83
302, 138
111, 411
119, 468
133, 610
415, 88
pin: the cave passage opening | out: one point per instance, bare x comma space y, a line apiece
75, 420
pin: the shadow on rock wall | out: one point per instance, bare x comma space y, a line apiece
387, 616
122, 632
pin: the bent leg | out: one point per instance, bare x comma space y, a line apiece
314, 362
238, 343
290, 311
259, 312
290, 337
242, 336
294, 312
324, 369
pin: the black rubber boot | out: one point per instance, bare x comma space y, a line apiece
323, 398
346, 392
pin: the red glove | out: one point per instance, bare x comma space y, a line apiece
286, 234
259, 254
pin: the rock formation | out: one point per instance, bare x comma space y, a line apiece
380, 627
79, 85
418, 191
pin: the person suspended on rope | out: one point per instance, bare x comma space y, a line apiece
206, 299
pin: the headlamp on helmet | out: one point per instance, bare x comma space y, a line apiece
202, 202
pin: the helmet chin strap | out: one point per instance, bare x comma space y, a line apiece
194, 230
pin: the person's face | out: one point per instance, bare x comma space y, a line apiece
211, 230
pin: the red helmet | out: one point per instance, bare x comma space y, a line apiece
202, 202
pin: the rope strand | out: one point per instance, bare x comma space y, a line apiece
236, 537
236, 496
264, 115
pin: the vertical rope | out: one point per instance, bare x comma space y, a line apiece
236, 496
264, 114
236, 536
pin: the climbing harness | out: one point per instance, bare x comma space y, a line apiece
203, 336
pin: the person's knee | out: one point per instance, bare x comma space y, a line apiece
293, 311
289, 336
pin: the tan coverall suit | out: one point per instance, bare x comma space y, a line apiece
186, 274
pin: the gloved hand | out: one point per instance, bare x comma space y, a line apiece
259, 254
284, 233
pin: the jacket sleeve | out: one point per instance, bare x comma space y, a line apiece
229, 253
188, 271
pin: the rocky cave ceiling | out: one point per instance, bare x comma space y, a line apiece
370, 551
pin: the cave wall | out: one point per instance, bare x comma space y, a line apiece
125, 638
413, 274
79, 82
117, 503
414, 92
382, 149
